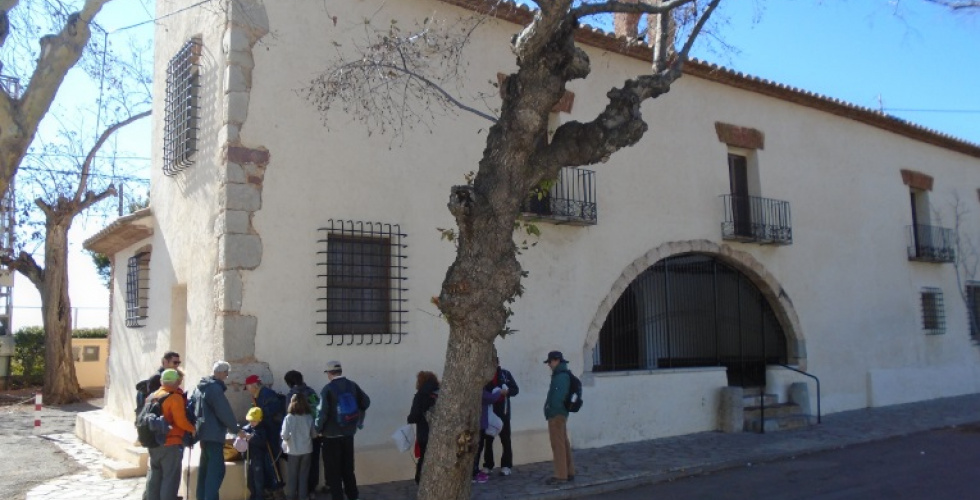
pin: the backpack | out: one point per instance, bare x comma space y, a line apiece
314, 400
573, 401
142, 392
151, 427
348, 409
190, 411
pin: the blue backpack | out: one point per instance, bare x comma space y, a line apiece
348, 409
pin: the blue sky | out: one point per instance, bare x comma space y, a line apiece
900, 55
895, 54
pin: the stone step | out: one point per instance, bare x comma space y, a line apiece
749, 401
776, 410
137, 455
778, 423
117, 469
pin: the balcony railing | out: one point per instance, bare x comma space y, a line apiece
10, 86
755, 219
930, 243
570, 201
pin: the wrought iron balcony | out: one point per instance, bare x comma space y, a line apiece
570, 201
755, 219
930, 243
10, 86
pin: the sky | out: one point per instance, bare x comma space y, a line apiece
915, 61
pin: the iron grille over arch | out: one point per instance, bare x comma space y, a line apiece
361, 283
692, 310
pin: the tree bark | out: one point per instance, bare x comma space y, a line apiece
20, 116
486, 273
60, 382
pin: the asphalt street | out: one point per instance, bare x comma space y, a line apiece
935, 465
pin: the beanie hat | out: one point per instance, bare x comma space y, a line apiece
169, 376
254, 414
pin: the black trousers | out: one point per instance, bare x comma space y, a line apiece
338, 467
507, 456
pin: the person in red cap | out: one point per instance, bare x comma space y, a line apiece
273, 413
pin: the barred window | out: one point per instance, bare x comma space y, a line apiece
180, 116
361, 283
137, 289
933, 312
973, 308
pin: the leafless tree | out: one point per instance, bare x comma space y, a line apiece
406, 73
966, 262
21, 114
957, 4
43, 142
59, 210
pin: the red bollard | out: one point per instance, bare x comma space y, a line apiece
37, 412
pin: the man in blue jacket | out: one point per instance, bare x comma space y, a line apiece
214, 418
557, 416
341, 414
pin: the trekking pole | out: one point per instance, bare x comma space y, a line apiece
275, 468
246, 462
187, 474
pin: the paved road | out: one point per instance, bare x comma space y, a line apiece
934, 465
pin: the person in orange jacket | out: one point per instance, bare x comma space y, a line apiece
163, 475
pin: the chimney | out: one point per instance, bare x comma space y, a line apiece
626, 25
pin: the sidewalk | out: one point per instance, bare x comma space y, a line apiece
620, 466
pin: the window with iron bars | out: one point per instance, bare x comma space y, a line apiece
933, 311
180, 114
137, 289
973, 309
361, 283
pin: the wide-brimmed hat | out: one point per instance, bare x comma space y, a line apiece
554, 355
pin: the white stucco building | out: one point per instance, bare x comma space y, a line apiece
754, 225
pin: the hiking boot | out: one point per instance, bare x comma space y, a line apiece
505, 471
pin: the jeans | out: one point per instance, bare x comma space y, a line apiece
259, 474
163, 474
338, 467
297, 476
211, 470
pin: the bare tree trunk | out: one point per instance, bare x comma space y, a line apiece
60, 382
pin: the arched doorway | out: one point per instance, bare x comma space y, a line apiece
692, 310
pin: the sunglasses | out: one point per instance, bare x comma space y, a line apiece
175, 363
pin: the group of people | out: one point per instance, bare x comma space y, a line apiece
314, 425
496, 398
292, 437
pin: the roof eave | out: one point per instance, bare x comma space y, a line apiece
121, 233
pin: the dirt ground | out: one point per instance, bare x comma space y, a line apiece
29, 459
18, 399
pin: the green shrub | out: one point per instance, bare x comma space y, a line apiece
29, 354
90, 333
28, 361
